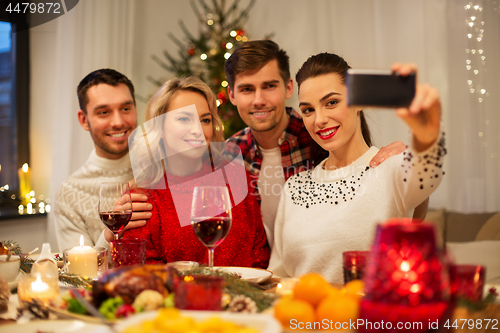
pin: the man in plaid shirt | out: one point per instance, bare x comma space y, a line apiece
294, 145
276, 144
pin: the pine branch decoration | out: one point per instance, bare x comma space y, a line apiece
235, 286
75, 280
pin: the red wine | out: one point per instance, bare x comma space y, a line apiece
115, 221
211, 231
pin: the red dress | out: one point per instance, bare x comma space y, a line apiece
245, 245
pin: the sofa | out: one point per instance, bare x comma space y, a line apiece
470, 239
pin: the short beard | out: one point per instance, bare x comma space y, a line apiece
271, 127
103, 147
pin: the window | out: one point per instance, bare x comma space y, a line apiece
14, 102
6, 131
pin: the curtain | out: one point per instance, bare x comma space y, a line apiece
473, 122
95, 34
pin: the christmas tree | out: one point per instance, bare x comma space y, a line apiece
221, 31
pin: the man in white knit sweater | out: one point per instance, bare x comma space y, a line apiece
108, 111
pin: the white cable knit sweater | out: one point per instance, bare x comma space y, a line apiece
77, 199
324, 213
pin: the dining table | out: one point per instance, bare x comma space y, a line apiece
87, 324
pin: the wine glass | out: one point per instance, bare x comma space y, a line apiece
115, 206
211, 217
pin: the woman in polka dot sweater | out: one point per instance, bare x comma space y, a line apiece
336, 206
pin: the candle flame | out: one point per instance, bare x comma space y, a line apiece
405, 266
39, 286
81, 240
415, 288
25, 167
477, 274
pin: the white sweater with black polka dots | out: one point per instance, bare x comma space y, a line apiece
323, 213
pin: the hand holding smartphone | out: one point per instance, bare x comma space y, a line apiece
379, 88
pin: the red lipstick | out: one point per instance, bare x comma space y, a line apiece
327, 133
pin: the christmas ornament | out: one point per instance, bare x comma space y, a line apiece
242, 303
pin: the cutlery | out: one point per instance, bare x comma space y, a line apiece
92, 310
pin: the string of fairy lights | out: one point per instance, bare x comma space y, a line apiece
476, 57
25, 195
476, 60
239, 36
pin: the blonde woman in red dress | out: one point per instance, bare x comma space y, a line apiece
176, 156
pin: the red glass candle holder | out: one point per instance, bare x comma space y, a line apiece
128, 251
406, 280
467, 281
199, 292
353, 264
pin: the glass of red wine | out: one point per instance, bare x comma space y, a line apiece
211, 217
115, 206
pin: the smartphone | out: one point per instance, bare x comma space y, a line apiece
379, 88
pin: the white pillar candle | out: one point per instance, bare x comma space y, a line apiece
82, 260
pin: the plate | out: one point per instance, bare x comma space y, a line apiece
65, 314
13, 284
262, 322
55, 326
249, 274
60, 263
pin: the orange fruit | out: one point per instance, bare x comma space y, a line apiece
311, 288
333, 292
355, 287
288, 309
340, 308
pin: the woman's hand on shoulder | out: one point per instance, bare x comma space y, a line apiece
385, 152
423, 116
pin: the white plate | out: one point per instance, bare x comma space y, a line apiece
59, 263
55, 326
13, 284
250, 274
262, 322
65, 314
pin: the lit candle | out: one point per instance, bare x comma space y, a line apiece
286, 285
82, 260
24, 175
37, 288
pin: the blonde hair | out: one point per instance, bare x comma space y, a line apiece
160, 102
150, 171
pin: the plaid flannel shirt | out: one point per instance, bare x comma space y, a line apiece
294, 144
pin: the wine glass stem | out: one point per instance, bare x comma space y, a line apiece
211, 258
